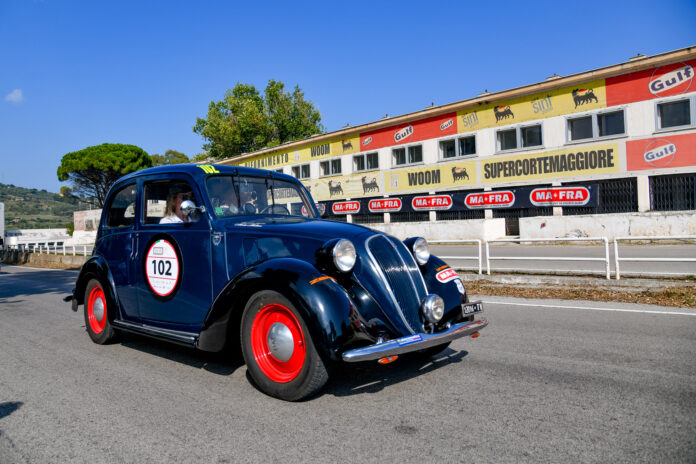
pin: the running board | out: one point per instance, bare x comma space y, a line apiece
176, 336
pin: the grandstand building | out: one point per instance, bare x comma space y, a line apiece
605, 152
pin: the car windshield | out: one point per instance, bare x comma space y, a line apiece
248, 195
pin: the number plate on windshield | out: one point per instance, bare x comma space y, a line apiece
472, 308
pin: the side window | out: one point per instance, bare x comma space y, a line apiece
121, 209
162, 201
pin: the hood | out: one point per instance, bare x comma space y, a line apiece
297, 227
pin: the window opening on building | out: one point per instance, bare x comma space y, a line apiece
673, 193
597, 125
453, 148
301, 171
519, 137
366, 162
408, 155
331, 167
674, 114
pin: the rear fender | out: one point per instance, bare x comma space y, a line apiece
324, 305
95, 268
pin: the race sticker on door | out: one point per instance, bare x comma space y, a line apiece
162, 268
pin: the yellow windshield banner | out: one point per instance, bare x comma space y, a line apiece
567, 100
572, 161
336, 147
462, 173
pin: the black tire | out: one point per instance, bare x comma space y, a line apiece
97, 321
298, 377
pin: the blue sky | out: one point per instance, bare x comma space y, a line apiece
75, 74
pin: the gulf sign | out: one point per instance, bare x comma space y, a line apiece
385, 205
562, 196
432, 203
665, 81
413, 131
499, 199
674, 151
345, 207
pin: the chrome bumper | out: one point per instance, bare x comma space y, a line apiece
413, 342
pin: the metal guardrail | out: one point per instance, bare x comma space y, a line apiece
54, 247
549, 258
617, 259
459, 242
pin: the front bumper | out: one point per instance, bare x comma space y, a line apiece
413, 342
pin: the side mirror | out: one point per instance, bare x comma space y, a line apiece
190, 210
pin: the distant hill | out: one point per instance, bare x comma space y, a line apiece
27, 208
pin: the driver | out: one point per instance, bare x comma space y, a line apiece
177, 195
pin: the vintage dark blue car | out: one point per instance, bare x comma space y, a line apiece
212, 256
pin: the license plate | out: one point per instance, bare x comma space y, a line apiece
472, 308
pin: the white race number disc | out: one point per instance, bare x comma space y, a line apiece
162, 268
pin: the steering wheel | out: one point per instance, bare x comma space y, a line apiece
275, 209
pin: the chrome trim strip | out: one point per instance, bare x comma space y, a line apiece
187, 338
383, 277
404, 345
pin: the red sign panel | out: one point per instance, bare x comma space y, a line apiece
345, 207
414, 131
672, 151
447, 275
432, 203
385, 205
665, 81
562, 196
499, 199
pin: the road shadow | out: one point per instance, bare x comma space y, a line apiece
371, 377
16, 285
225, 362
9, 407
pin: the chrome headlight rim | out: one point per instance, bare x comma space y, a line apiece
344, 255
433, 308
421, 250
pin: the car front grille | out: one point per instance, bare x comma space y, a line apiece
402, 279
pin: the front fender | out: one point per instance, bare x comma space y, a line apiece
440, 278
95, 268
324, 305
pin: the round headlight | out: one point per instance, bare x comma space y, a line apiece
344, 255
433, 308
421, 250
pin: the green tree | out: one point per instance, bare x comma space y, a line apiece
245, 121
169, 157
93, 170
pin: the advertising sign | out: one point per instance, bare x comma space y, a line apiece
353, 186
385, 205
560, 196
670, 151
345, 207
336, 147
432, 203
553, 164
434, 177
414, 131
486, 200
665, 81
588, 96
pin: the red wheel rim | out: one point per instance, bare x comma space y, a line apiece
97, 319
272, 367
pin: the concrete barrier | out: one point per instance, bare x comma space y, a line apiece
482, 229
42, 260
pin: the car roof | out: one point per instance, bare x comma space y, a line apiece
200, 171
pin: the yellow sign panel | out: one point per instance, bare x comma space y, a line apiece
354, 186
457, 174
595, 159
305, 154
567, 100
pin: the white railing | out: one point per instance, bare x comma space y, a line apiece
53, 247
549, 258
460, 242
617, 259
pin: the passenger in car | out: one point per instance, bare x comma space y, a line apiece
173, 214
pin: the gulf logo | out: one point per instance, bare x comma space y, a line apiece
446, 124
660, 153
673, 79
403, 133
367, 141
447, 275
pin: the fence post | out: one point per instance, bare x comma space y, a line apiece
479, 255
85, 251
488, 259
606, 256
616, 259
73, 250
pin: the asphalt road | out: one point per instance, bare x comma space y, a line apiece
534, 252
563, 382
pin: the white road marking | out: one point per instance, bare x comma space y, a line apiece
592, 308
14, 266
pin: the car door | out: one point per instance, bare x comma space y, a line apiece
173, 269
117, 245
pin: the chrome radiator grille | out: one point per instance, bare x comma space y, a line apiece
402, 278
